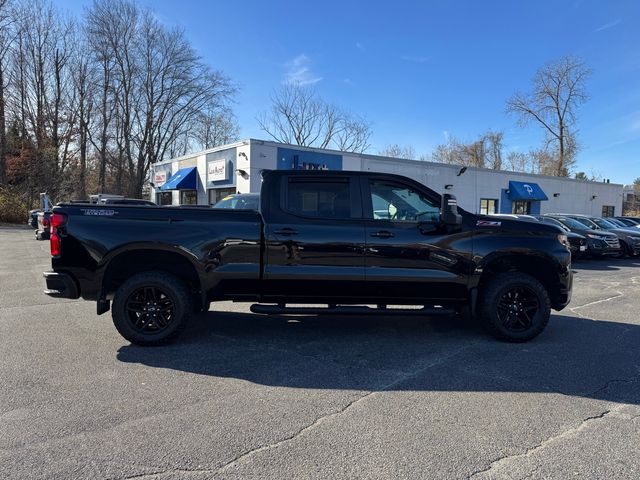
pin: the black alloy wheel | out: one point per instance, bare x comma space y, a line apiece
514, 307
152, 308
517, 308
149, 309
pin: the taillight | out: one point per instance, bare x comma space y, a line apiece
45, 222
57, 220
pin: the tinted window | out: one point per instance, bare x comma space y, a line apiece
605, 224
319, 198
396, 202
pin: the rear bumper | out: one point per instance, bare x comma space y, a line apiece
60, 285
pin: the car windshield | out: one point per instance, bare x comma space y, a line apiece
245, 202
571, 223
617, 223
628, 222
604, 224
586, 223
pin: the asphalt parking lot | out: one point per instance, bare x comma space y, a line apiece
244, 396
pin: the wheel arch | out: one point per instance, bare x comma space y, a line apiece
130, 260
540, 267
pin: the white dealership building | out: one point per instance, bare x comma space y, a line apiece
205, 177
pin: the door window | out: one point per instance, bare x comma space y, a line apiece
319, 198
400, 203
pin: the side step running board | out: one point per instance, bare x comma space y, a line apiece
348, 310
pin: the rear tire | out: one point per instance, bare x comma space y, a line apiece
151, 308
514, 307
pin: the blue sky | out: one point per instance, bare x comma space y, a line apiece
419, 71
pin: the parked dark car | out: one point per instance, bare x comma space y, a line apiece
314, 240
625, 222
628, 221
577, 242
629, 238
246, 201
599, 243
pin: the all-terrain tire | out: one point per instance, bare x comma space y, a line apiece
151, 308
514, 307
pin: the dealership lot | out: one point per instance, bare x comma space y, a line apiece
244, 396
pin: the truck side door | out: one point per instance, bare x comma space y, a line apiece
314, 238
409, 253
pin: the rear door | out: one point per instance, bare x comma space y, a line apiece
315, 238
409, 253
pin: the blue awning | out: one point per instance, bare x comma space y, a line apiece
526, 191
183, 179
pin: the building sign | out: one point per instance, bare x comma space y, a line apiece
159, 178
217, 170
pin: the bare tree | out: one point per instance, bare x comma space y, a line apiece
558, 90
7, 37
214, 127
484, 152
518, 162
42, 93
493, 149
156, 82
398, 151
299, 116
353, 136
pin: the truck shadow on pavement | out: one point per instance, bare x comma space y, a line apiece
574, 356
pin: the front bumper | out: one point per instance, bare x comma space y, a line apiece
60, 285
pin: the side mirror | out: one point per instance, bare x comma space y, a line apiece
449, 210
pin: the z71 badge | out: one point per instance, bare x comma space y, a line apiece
488, 223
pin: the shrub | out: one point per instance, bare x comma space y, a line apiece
13, 208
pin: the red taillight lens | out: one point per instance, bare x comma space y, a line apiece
57, 220
45, 222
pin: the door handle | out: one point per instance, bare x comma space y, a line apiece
286, 231
382, 234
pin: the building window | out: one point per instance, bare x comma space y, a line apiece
164, 198
521, 207
217, 194
608, 210
188, 197
488, 206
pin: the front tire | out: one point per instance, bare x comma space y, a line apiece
151, 308
514, 307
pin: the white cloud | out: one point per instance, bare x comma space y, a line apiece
299, 71
609, 25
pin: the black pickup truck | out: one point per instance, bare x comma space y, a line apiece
354, 242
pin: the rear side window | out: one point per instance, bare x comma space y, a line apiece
319, 198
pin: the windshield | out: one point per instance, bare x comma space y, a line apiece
244, 202
586, 223
573, 224
602, 223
